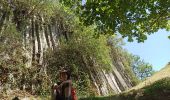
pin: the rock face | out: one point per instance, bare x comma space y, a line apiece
105, 83
39, 36
111, 82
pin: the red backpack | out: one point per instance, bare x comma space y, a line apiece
73, 94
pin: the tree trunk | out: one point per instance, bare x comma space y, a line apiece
65, 35
25, 36
51, 37
39, 41
46, 35
2, 20
33, 41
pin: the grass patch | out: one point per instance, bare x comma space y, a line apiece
159, 90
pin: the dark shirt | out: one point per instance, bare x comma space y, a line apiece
61, 95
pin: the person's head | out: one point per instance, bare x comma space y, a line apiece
64, 75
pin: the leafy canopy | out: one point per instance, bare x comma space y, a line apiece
130, 18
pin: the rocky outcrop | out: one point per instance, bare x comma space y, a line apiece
40, 34
114, 81
105, 83
38, 40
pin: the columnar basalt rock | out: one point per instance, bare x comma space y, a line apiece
40, 34
111, 82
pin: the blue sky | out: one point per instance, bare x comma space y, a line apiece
155, 50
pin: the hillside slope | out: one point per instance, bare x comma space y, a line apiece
165, 72
157, 87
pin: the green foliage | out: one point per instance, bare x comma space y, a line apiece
141, 69
162, 85
81, 53
16, 16
13, 72
136, 68
99, 98
157, 91
130, 18
11, 51
14, 24
118, 53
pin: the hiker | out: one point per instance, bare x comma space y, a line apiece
63, 90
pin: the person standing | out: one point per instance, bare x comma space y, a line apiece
63, 89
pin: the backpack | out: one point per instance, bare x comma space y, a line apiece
73, 94
57, 94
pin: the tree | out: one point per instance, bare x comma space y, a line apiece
136, 68
141, 69
130, 18
84, 55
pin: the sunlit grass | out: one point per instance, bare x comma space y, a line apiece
165, 72
157, 87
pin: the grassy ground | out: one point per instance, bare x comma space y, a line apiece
17, 94
159, 90
156, 87
165, 72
